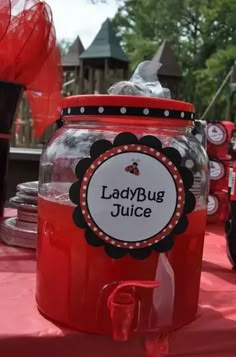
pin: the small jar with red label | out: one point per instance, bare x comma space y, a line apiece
218, 138
219, 174
122, 215
218, 207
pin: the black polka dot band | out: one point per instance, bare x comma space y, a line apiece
128, 111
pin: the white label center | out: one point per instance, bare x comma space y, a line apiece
131, 196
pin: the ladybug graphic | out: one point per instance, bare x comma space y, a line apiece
133, 169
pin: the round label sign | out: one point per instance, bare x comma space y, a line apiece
216, 134
217, 170
213, 205
132, 195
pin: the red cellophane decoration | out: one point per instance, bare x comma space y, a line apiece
29, 56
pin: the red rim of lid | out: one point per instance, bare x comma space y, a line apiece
126, 106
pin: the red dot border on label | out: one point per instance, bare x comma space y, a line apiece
158, 156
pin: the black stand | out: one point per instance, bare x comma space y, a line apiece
10, 95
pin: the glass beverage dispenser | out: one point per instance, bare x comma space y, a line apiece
122, 216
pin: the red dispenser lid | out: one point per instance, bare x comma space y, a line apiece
128, 107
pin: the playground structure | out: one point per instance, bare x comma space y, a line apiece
92, 71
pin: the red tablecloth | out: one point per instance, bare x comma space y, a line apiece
25, 333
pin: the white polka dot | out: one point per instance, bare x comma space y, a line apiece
89, 224
137, 244
166, 113
163, 237
105, 158
83, 212
126, 147
113, 242
125, 243
92, 166
131, 247
169, 163
146, 111
100, 110
151, 149
83, 204
106, 238
156, 241
149, 244
180, 181
95, 229
84, 195
178, 206
82, 110
85, 179
99, 162
118, 246
176, 222
189, 164
123, 110
164, 231
84, 187
68, 110
157, 154
180, 189
175, 176
138, 148
182, 114
100, 233
170, 226
175, 168
179, 198
177, 214
164, 159
119, 150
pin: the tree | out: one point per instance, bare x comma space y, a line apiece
64, 46
202, 34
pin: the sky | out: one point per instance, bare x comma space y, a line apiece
80, 17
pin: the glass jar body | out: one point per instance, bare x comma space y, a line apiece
75, 279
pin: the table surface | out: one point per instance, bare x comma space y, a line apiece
25, 333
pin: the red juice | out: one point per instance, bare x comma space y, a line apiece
74, 279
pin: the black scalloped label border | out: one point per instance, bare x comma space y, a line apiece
103, 150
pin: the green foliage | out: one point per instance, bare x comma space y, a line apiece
64, 46
202, 34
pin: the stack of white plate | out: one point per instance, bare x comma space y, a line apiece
22, 230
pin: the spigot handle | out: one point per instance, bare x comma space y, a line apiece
148, 284
121, 305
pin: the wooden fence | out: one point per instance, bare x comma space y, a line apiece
23, 129
23, 135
